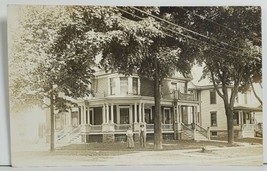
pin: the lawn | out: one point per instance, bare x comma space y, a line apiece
122, 146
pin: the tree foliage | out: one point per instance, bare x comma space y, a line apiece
230, 50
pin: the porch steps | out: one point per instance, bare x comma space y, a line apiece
76, 139
187, 135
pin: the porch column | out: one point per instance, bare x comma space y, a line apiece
181, 113
143, 112
82, 115
177, 113
118, 114
112, 114
135, 113
193, 113
140, 112
103, 113
88, 113
139, 85
107, 113
131, 114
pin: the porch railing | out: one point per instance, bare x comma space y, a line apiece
75, 131
202, 131
189, 132
122, 127
61, 134
95, 128
167, 127
149, 127
184, 96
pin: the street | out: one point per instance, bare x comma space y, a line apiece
241, 155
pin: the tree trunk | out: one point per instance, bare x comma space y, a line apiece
52, 119
230, 126
158, 117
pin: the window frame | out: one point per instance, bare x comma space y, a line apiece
213, 99
211, 119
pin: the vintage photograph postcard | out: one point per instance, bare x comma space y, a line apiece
128, 85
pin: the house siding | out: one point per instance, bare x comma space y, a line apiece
207, 108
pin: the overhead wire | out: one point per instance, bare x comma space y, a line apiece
173, 31
186, 29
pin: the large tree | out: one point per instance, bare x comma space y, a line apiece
132, 41
37, 73
229, 39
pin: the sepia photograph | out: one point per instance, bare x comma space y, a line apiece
135, 85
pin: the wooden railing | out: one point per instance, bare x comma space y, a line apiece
167, 127
184, 96
122, 127
95, 128
202, 131
149, 127
68, 133
186, 129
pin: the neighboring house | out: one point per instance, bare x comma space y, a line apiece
246, 111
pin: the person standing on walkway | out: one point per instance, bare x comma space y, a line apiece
142, 136
130, 141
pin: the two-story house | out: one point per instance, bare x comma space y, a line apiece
247, 112
118, 102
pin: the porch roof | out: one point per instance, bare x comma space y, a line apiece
248, 108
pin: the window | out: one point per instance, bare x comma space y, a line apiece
214, 133
124, 115
112, 86
174, 86
182, 87
212, 97
167, 116
213, 118
148, 116
135, 86
124, 85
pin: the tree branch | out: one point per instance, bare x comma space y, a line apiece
256, 95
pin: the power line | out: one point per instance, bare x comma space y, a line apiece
212, 21
204, 18
191, 31
189, 37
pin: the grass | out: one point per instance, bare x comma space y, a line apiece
121, 147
